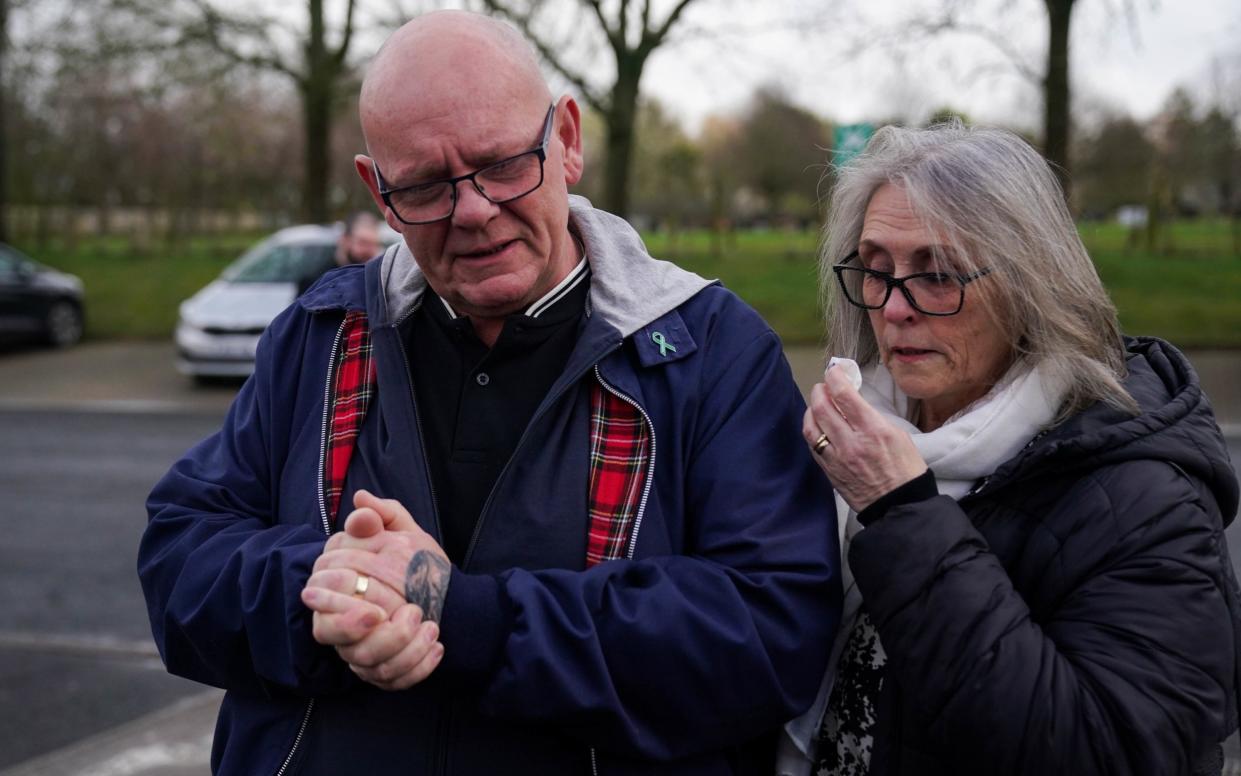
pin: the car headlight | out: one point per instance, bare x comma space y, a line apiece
186, 318
58, 282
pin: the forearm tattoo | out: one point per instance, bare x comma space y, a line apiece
426, 583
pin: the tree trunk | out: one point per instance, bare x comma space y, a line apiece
42, 226
1156, 239
4, 149
620, 125
318, 121
620, 107
1056, 91
316, 93
1236, 229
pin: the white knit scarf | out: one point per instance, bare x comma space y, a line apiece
972, 443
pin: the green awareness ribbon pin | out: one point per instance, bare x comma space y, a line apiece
664, 344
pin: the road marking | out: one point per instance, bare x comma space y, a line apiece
142, 759
67, 643
131, 406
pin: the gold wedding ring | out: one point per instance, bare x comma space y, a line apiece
361, 585
820, 443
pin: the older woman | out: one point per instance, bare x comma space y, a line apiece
1031, 506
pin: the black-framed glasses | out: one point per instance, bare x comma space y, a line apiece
930, 293
500, 182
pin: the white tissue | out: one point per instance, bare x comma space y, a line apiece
851, 370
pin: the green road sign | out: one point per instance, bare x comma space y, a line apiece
848, 140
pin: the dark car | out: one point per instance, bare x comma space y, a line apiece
38, 303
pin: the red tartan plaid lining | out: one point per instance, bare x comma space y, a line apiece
620, 448
353, 386
620, 445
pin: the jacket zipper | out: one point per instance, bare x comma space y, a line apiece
422, 443
327, 412
301, 731
650, 466
981, 484
445, 721
327, 525
646, 492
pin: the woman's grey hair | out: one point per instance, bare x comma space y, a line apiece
995, 203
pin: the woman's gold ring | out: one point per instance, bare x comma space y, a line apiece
820, 443
361, 585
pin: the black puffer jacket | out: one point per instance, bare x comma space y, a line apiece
1077, 613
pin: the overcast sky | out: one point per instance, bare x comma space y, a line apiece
857, 61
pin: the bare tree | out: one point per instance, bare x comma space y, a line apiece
780, 155
312, 57
632, 33
667, 187
1225, 97
4, 148
1052, 77
115, 140
1115, 166
721, 136
1056, 126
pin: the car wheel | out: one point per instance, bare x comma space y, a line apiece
63, 324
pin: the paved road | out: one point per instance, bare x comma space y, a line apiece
83, 436
76, 656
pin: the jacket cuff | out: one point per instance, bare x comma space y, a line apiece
473, 626
920, 488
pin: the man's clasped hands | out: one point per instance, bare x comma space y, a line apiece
377, 592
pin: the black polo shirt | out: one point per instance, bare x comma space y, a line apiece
474, 402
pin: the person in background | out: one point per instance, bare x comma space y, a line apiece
517, 498
1032, 505
359, 242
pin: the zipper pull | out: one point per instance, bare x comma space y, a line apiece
974, 491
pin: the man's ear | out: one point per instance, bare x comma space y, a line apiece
366, 170
569, 133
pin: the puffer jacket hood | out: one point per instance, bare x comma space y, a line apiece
1176, 424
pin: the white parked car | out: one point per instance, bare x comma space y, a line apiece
219, 327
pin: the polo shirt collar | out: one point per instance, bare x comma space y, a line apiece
549, 300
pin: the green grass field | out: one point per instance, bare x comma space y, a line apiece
134, 295
1190, 294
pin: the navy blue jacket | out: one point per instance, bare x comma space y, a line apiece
1077, 613
681, 658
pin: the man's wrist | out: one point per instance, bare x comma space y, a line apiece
477, 623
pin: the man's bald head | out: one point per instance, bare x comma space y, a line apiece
446, 57
453, 103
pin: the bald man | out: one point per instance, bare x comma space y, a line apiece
518, 498
359, 239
